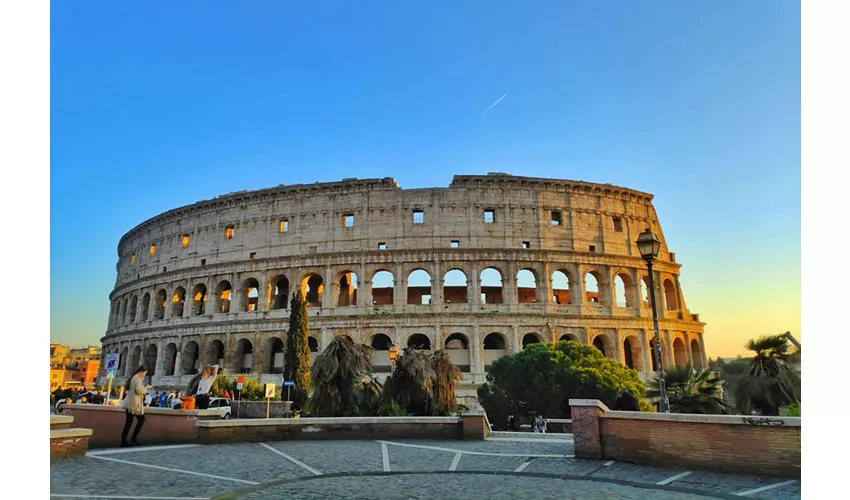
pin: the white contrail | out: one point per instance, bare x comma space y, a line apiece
491, 106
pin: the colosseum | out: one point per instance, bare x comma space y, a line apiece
481, 268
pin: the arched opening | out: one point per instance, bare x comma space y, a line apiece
124, 313
494, 348
159, 304
696, 354
244, 355
115, 314
122, 361
347, 289
135, 361
191, 358
632, 353
457, 348
199, 297
623, 290
146, 307
560, 287
274, 348
670, 295
455, 287
347, 337
644, 291
222, 297
491, 286
419, 341
279, 292
591, 288
215, 356
419, 287
526, 285
680, 356
569, 337
381, 344
150, 359
530, 338
177, 301
313, 287
170, 362
313, 344
601, 343
250, 295
133, 306
383, 287
653, 354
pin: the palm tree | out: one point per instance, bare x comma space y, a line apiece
691, 391
768, 382
339, 374
411, 384
446, 377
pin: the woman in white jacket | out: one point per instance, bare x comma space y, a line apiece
134, 406
202, 396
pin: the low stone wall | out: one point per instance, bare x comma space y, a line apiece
162, 425
257, 409
69, 442
60, 422
728, 443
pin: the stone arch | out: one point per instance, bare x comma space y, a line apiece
457, 348
279, 292
190, 361
136, 360
494, 348
457, 341
178, 298
419, 287
593, 288
346, 337
274, 357
670, 295
223, 291
633, 353
561, 283
604, 345
347, 289
381, 362
530, 338
313, 288
419, 341
624, 290
644, 291
571, 337
491, 286
134, 302
455, 287
249, 295
680, 354
216, 353
199, 297
696, 354
170, 361
381, 342
312, 344
383, 288
150, 359
122, 361
146, 307
244, 359
159, 302
526, 285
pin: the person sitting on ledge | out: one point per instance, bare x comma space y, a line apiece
626, 402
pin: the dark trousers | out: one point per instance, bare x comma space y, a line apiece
202, 401
128, 421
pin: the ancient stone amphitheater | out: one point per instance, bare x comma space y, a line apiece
481, 268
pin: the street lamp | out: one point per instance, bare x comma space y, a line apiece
393, 352
648, 246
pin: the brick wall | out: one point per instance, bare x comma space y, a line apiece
69, 443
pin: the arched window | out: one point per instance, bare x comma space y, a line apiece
491, 286
274, 348
199, 297
170, 359
280, 292
177, 300
419, 287
133, 305
313, 287
216, 353
455, 287
222, 296
624, 290
250, 295
159, 304
592, 291
419, 341
244, 356
313, 344
560, 287
150, 359
680, 355
347, 289
190, 362
670, 295
383, 287
526, 284
530, 338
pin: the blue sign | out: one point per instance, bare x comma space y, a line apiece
110, 372
288, 382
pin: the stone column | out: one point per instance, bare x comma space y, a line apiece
669, 359
619, 353
437, 284
547, 285
577, 287
331, 289
400, 288
477, 366
607, 291
688, 354
167, 305
178, 361
510, 291
397, 337
325, 338
701, 337
474, 283
646, 352
638, 300
366, 290
517, 344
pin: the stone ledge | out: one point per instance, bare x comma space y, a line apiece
590, 402
751, 421
69, 433
149, 410
60, 419
326, 420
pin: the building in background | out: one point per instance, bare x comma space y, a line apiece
73, 367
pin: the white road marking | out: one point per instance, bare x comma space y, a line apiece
673, 478
455, 461
763, 488
481, 453
385, 455
173, 470
523, 465
608, 463
521, 440
293, 460
134, 497
141, 448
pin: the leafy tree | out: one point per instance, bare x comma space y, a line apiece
769, 382
542, 378
296, 366
691, 391
338, 376
790, 410
220, 384
446, 377
411, 384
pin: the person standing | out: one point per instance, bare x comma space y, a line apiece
202, 396
134, 406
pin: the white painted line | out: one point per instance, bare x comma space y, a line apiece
521, 440
480, 453
385, 455
455, 461
608, 463
764, 488
174, 470
523, 465
134, 497
293, 460
673, 478
141, 448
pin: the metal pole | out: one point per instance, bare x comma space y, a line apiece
108, 387
663, 403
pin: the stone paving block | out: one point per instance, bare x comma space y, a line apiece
418, 459
723, 483
563, 466
485, 463
335, 456
637, 473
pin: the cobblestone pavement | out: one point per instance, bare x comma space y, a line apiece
387, 470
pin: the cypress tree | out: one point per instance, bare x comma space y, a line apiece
296, 364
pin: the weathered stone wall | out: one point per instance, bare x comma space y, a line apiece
155, 319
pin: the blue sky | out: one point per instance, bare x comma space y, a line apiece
160, 104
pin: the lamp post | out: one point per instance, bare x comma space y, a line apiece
393, 352
648, 246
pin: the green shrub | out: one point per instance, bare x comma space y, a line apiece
790, 410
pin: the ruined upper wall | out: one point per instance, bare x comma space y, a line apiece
594, 217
